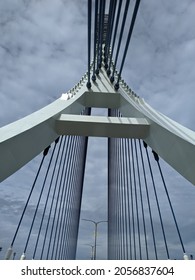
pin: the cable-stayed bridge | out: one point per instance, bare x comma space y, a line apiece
137, 137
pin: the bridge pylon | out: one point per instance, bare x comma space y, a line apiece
129, 118
26, 138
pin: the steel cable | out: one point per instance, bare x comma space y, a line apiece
169, 200
123, 247
125, 199
66, 188
95, 51
79, 182
54, 193
47, 199
109, 31
120, 39
39, 199
59, 209
136, 199
148, 201
67, 218
141, 199
89, 42
128, 201
114, 38
157, 201
131, 199
29, 196
55, 199
128, 40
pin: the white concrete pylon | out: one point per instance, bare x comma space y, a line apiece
24, 139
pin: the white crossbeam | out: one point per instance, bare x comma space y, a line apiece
100, 126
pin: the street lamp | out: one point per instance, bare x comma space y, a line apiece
92, 250
95, 241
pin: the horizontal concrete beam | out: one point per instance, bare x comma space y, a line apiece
102, 126
100, 100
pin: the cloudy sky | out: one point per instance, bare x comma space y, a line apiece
43, 52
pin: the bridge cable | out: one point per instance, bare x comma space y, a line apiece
74, 195
101, 34
131, 199
47, 199
114, 38
83, 158
95, 39
68, 229
58, 210
45, 152
77, 187
141, 198
109, 193
67, 198
66, 189
72, 198
114, 200
156, 157
111, 196
119, 236
107, 39
128, 200
148, 201
125, 198
120, 39
109, 32
157, 201
123, 221
128, 41
65, 223
118, 201
80, 181
89, 42
99, 37
58, 161
56, 201
123, 201
39, 199
121, 204
101, 31
136, 199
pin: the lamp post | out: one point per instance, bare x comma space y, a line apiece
95, 233
92, 250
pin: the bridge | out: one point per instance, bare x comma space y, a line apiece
139, 141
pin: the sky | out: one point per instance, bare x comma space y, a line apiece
43, 52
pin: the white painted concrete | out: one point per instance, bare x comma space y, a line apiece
24, 139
